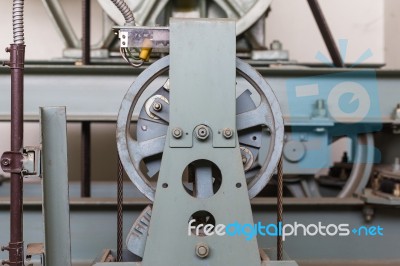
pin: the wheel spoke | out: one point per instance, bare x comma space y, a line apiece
259, 116
146, 148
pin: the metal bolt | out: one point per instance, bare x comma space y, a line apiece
202, 250
177, 132
6, 162
320, 108
320, 104
202, 132
244, 159
228, 133
368, 213
144, 128
276, 45
157, 106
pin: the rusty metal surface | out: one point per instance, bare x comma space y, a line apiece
13, 158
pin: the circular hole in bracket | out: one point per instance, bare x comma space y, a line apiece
202, 179
238, 185
201, 223
165, 185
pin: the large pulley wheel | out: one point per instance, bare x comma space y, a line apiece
147, 12
258, 126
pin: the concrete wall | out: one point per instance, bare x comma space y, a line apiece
361, 22
392, 33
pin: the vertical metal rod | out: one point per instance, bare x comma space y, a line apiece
326, 33
279, 254
86, 160
86, 32
16, 64
120, 199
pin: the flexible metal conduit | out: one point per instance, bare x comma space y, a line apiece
18, 21
125, 11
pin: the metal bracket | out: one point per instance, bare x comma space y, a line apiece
142, 37
11, 162
26, 163
31, 162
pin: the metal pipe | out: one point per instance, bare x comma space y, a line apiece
86, 160
16, 64
85, 145
17, 57
57, 15
86, 32
326, 33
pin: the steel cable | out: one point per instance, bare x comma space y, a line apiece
280, 208
120, 198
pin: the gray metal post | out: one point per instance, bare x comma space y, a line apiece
55, 186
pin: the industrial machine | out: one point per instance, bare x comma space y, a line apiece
209, 136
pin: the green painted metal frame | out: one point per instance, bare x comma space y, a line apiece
192, 82
56, 214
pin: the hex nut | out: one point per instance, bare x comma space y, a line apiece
228, 133
177, 132
202, 250
202, 132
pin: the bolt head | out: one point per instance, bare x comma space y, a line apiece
202, 250
276, 45
177, 132
157, 106
228, 133
5, 162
